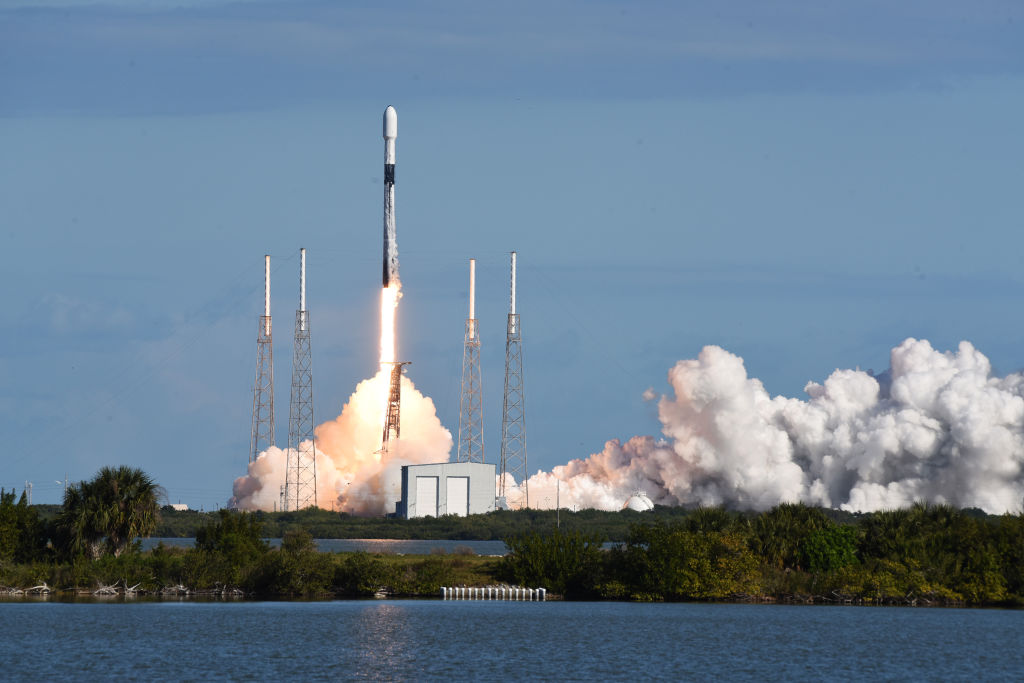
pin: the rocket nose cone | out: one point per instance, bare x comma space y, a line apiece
390, 123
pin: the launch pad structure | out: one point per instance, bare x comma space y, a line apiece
393, 416
300, 473
300, 487
471, 439
262, 436
513, 416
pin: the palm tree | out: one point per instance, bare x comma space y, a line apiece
779, 534
106, 514
709, 520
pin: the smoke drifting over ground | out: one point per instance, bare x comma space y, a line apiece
352, 475
936, 427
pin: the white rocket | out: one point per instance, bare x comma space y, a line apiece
390, 240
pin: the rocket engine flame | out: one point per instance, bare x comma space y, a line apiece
389, 297
937, 427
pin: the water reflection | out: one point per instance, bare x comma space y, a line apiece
383, 640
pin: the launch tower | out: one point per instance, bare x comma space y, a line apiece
513, 416
471, 439
393, 417
300, 478
263, 390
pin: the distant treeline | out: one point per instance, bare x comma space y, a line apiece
926, 554
493, 526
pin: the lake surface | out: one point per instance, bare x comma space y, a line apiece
370, 545
433, 640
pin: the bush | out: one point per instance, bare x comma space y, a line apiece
360, 574
566, 563
830, 548
661, 562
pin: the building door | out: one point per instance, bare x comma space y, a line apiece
426, 497
457, 494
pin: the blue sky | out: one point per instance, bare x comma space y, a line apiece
803, 183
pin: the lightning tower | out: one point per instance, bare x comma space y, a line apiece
471, 439
263, 389
300, 478
513, 416
393, 417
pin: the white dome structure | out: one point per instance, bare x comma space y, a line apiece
638, 502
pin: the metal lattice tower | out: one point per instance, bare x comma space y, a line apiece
393, 417
471, 438
513, 416
263, 390
300, 478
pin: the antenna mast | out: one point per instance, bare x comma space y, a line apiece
513, 417
262, 436
300, 477
471, 439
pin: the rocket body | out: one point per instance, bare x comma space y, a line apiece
390, 239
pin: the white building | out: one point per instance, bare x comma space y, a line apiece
638, 502
447, 488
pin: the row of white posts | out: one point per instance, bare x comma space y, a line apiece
494, 593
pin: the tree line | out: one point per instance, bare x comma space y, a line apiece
926, 554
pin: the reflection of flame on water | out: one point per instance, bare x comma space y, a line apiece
383, 639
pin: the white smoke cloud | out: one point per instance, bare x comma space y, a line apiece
938, 427
352, 475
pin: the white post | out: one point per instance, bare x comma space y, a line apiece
472, 297
266, 291
302, 279
512, 299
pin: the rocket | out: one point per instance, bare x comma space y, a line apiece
390, 240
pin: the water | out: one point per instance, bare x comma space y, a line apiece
370, 545
434, 640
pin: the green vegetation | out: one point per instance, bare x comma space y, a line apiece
927, 554
105, 515
564, 563
494, 526
22, 533
230, 557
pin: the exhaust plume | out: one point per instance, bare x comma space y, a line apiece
352, 474
936, 427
